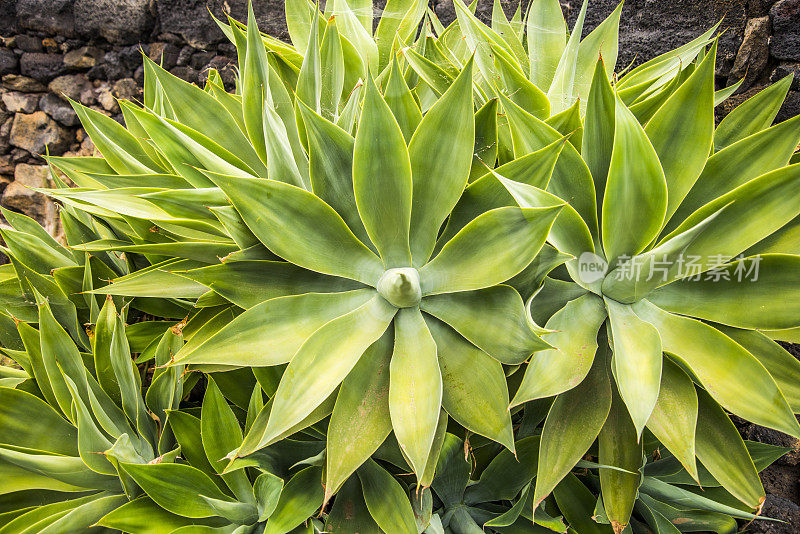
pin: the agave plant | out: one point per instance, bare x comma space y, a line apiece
650, 193
336, 246
365, 236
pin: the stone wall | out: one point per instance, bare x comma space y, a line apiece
89, 51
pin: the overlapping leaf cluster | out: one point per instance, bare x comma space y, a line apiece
410, 279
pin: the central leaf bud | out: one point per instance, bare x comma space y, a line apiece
400, 287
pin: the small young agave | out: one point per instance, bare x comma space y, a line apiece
495, 493
69, 431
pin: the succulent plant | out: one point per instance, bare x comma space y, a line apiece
668, 231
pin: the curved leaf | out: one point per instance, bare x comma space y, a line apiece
674, 417
474, 390
682, 131
386, 500
635, 178
177, 488
300, 498
572, 424
489, 250
729, 373
360, 421
574, 338
324, 360
382, 179
719, 295
441, 156
494, 319
636, 362
721, 450
299, 227
619, 447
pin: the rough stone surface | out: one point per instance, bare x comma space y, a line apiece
106, 99
70, 85
777, 508
189, 18
786, 23
51, 16
59, 110
15, 82
84, 57
20, 102
36, 131
18, 195
753, 55
166, 54
8, 61
118, 21
8, 21
759, 8
41, 66
784, 69
28, 43
790, 107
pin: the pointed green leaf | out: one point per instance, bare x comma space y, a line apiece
779, 362
474, 390
636, 362
401, 101
574, 335
273, 331
29, 423
177, 488
386, 500
547, 37
718, 295
619, 447
571, 179
739, 163
360, 421
562, 91
317, 238
753, 115
415, 387
721, 450
572, 424
682, 131
635, 178
441, 157
674, 417
220, 433
300, 498
729, 373
324, 360
508, 239
382, 171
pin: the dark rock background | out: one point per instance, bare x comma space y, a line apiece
89, 50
